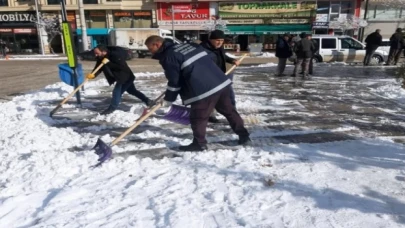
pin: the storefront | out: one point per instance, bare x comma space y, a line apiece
263, 22
189, 19
19, 32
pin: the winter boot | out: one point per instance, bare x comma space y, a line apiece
213, 119
193, 147
109, 110
150, 103
245, 141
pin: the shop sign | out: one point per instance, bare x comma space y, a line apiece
190, 12
184, 23
245, 21
20, 17
322, 17
24, 31
287, 21
130, 13
320, 24
267, 9
6, 30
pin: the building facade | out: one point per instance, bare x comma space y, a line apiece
18, 28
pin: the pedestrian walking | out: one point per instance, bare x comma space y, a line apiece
304, 50
116, 70
3, 48
373, 41
283, 52
397, 43
191, 73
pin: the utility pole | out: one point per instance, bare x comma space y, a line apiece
83, 26
365, 18
174, 36
39, 29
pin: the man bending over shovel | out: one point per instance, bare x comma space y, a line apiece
117, 70
192, 74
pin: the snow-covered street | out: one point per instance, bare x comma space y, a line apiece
327, 152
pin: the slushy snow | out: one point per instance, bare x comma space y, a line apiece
46, 179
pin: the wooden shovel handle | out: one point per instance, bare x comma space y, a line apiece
234, 66
136, 124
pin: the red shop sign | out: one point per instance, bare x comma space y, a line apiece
196, 11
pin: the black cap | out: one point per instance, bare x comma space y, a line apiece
217, 34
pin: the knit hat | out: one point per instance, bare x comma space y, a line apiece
217, 34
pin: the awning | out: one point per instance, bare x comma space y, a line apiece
94, 31
267, 29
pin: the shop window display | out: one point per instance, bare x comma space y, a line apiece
132, 19
95, 19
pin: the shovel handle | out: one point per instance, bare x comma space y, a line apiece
136, 124
234, 66
74, 91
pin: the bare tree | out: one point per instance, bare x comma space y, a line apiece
49, 23
349, 23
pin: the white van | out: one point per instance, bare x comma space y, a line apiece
344, 49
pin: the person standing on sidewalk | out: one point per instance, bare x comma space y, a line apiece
215, 48
3, 47
117, 70
283, 52
305, 50
191, 73
397, 43
373, 41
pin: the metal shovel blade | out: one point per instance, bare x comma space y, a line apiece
103, 150
178, 114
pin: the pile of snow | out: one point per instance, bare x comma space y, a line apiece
148, 74
267, 55
391, 91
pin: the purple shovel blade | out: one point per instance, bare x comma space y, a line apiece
178, 114
103, 151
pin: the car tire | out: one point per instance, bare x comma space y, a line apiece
135, 55
377, 59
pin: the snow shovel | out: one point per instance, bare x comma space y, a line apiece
181, 114
104, 151
74, 91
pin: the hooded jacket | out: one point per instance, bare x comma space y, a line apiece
190, 72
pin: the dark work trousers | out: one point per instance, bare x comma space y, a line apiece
393, 55
369, 55
281, 66
119, 89
304, 63
232, 93
201, 110
310, 67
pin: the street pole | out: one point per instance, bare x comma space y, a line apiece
174, 36
365, 18
39, 30
83, 26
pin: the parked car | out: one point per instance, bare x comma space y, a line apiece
344, 49
385, 46
89, 54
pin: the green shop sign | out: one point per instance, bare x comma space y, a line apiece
296, 9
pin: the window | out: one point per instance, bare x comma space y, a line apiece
323, 7
3, 2
95, 18
381, 12
53, 2
346, 7
328, 43
90, 1
385, 44
348, 43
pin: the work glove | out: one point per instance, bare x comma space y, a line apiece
105, 61
90, 76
